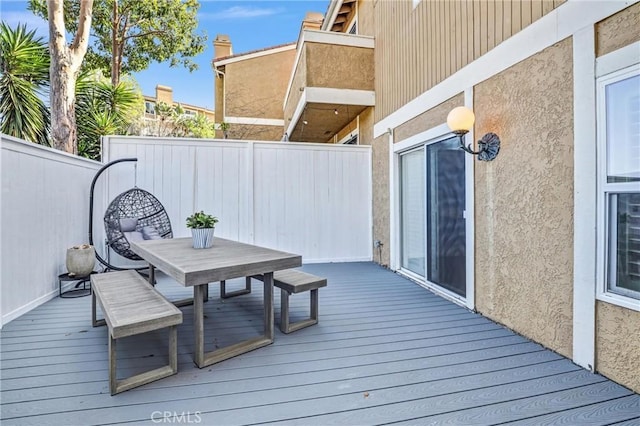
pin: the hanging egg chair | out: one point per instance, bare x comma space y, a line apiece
135, 214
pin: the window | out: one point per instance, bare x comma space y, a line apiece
618, 100
150, 107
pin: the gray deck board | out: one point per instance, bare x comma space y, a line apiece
385, 351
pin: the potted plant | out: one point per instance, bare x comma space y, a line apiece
202, 227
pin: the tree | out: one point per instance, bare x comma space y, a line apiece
172, 121
103, 109
64, 70
24, 79
131, 34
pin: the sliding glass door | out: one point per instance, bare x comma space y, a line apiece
446, 240
433, 237
412, 196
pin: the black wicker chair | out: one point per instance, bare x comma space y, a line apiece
134, 203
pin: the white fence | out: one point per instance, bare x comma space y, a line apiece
314, 200
44, 210
310, 199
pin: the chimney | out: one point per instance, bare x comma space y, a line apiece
312, 21
222, 46
164, 94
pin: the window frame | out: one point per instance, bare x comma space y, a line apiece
606, 189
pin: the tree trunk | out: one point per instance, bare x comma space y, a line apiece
63, 114
115, 54
63, 72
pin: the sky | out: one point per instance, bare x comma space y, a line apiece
250, 25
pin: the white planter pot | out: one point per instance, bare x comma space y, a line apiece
81, 260
202, 238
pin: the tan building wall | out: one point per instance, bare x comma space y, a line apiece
380, 194
242, 91
438, 38
524, 200
254, 132
618, 329
249, 94
428, 119
339, 67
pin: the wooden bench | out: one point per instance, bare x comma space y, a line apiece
289, 281
132, 306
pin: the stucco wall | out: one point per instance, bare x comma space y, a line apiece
429, 119
255, 132
618, 329
380, 178
524, 198
617, 344
618, 30
340, 67
249, 94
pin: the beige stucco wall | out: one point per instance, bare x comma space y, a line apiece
617, 328
618, 344
255, 132
618, 30
429, 119
380, 178
339, 67
249, 94
524, 199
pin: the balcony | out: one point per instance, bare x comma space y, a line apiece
332, 82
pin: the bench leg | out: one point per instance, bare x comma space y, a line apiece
225, 295
285, 326
117, 386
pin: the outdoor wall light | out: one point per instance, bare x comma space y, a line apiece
460, 120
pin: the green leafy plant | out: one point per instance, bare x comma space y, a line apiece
200, 220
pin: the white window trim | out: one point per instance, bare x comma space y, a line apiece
610, 68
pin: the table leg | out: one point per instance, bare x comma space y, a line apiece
268, 305
198, 324
152, 275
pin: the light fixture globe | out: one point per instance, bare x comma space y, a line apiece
460, 120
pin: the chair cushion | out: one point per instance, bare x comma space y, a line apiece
128, 224
150, 233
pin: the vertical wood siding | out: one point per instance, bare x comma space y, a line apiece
418, 48
44, 211
314, 200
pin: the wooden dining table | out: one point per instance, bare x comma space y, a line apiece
226, 260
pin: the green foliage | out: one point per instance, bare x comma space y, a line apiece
201, 220
173, 122
145, 32
103, 109
24, 79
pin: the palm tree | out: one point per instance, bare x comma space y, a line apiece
24, 81
103, 109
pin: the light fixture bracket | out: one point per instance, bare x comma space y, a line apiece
489, 145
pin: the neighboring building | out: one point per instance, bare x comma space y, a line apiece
249, 89
544, 239
154, 125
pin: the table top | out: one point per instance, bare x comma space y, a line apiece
225, 260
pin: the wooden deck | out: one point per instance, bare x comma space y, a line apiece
385, 351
